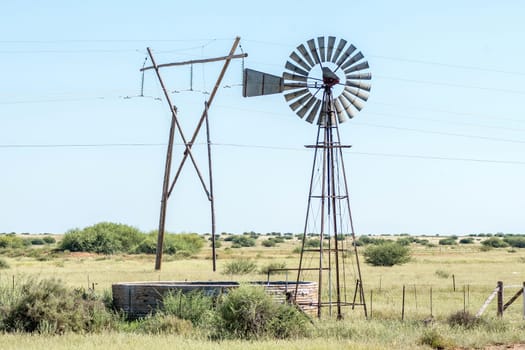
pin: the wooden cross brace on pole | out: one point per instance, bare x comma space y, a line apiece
168, 184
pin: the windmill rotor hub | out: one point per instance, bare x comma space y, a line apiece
329, 78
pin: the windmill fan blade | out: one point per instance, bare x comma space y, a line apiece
339, 49
357, 68
294, 77
352, 60
313, 50
360, 76
293, 86
294, 68
294, 56
320, 41
339, 111
357, 93
359, 85
313, 113
347, 106
331, 43
353, 100
292, 95
301, 113
305, 54
300, 102
345, 55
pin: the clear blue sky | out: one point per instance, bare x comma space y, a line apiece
438, 148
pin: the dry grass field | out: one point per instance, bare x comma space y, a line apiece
436, 268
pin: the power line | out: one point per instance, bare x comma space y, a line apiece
437, 83
448, 65
264, 147
443, 133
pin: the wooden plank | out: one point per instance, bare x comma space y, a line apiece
513, 299
205, 60
487, 302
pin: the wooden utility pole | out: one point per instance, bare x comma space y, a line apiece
207, 187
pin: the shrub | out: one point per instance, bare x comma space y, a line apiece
49, 240
104, 237
3, 264
406, 241
190, 243
312, 243
466, 240
433, 339
447, 241
192, 306
269, 243
249, 313
516, 242
272, 266
387, 254
239, 267
243, 241
13, 242
288, 322
494, 242
463, 319
37, 241
47, 306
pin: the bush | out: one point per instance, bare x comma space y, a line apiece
289, 322
269, 243
463, 319
447, 241
49, 240
3, 264
190, 243
387, 254
104, 238
242, 241
249, 313
47, 306
433, 339
13, 242
37, 241
192, 306
515, 242
272, 266
239, 267
494, 242
406, 241
467, 240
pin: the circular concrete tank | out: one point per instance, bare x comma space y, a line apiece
138, 299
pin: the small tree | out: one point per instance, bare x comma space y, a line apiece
387, 254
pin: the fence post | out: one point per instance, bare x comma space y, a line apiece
371, 301
500, 298
403, 306
523, 300
464, 299
431, 314
454, 282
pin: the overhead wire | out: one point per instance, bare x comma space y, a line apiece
264, 147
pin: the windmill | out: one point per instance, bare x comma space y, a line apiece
325, 84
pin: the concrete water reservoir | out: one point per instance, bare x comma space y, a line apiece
138, 299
